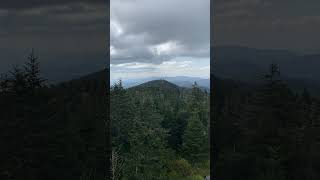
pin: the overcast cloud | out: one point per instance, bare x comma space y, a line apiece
154, 32
284, 24
69, 36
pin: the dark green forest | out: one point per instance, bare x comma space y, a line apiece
52, 131
159, 131
264, 131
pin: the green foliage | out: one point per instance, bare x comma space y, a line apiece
194, 140
182, 167
152, 119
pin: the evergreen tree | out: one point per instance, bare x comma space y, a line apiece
18, 82
194, 140
198, 102
32, 69
121, 115
148, 153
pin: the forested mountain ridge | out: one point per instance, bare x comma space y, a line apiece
161, 85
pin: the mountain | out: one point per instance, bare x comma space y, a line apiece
250, 65
244, 63
158, 84
185, 81
157, 88
182, 81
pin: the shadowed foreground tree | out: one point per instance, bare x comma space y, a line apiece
52, 133
265, 131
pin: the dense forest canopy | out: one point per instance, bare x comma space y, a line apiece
261, 131
159, 131
264, 131
52, 131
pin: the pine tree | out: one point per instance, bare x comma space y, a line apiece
272, 119
121, 116
32, 69
198, 103
148, 153
196, 98
18, 82
194, 140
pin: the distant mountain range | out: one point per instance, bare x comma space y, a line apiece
182, 81
250, 65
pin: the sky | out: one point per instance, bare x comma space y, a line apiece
267, 24
69, 36
152, 38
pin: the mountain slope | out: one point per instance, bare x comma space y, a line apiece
161, 89
159, 84
250, 65
247, 63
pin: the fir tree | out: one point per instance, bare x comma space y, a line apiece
18, 81
194, 140
121, 116
32, 69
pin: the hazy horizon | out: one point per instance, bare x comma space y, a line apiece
146, 79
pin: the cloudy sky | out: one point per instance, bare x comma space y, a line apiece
69, 36
159, 38
276, 24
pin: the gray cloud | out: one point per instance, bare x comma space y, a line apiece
267, 23
154, 31
30, 4
63, 33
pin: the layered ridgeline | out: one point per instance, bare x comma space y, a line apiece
299, 70
159, 131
